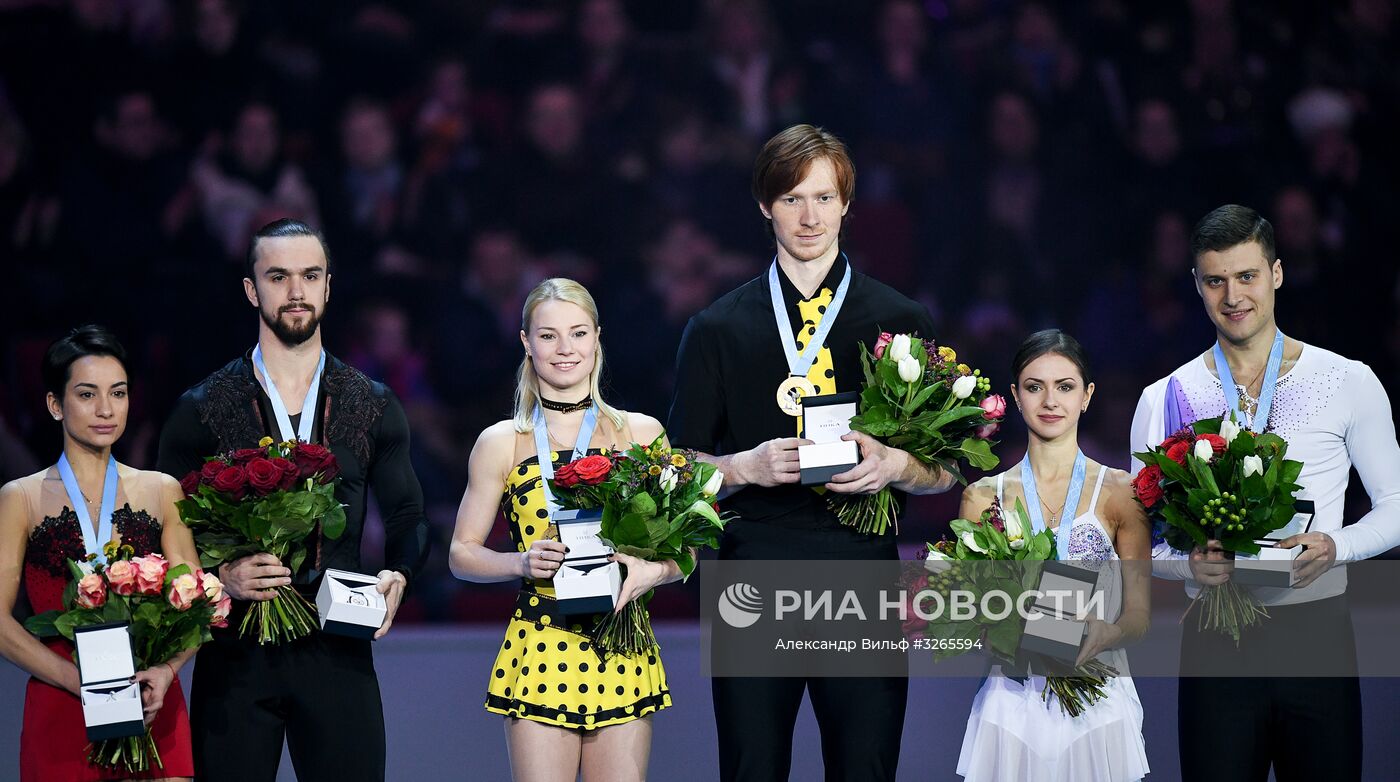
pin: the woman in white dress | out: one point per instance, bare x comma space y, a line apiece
1013, 733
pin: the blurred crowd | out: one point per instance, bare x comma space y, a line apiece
1020, 165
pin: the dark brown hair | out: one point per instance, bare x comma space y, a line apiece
1229, 226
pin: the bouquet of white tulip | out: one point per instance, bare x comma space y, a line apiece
918, 398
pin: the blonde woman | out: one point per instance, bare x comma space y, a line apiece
565, 711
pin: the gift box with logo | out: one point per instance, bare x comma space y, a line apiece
106, 669
825, 420
1056, 627
587, 582
1273, 566
350, 604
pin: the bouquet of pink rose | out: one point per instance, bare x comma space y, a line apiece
170, 610
658, 504
266, 499
918, 398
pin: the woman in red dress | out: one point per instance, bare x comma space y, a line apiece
40, 530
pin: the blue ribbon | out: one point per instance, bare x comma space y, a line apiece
542, 450
109, 505
1071, 506
798, 365
279, 408
1260, 421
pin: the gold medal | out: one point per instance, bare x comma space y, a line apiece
791, 392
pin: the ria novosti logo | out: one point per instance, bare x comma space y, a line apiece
740, 605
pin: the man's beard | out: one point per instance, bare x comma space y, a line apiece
289, 334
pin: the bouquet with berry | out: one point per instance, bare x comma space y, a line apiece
1217, 481
997, 553
919, 399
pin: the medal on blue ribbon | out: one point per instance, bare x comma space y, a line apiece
93, 540
279, 408
796, 385
1260, 420
1067, 511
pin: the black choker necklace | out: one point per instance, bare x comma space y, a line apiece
566, 407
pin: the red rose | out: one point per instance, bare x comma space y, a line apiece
567, 476
190, 483
263, 476
1217, 443
290, 473
243, 456
593, 470
1147, 485
1179, 451
314, 459
231, 481
210, 469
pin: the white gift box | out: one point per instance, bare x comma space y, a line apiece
350, 604
1055, 626
587, 582
825, 420
106, 669
1273, 566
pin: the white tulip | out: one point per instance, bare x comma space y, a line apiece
909, 369
1253, 465
964, 386
937, 562
714, 484
1018, 544
669, 477
1229, 430
1014, 529
899, 347
971, 542
1203, 451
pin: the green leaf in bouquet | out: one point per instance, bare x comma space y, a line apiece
1004, 636
1179, 520
959, 526
630, 530
1196, 499
1039, 548
1206, 426
642, 504
979, 453
1290, 471
934, 421
865, 360
951, 467
75, 570
1282, 514
1270, 445
1205, 478
657, 531
686, 562
333, 522
1173, 471
919, 400
1243, 445
889, 377
640, 552
175, 572
43, 625
295, 560
148, 612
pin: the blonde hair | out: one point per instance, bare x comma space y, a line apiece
527, 382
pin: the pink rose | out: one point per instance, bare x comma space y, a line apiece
184, 590
212, 586
987, 431
150, 573
121, 575
220, 617
994, 407
92, 591
882, 343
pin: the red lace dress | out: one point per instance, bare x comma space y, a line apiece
53, 744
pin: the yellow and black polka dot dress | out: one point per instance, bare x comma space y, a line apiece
547, 670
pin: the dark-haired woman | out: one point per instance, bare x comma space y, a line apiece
66, 512
1012, 732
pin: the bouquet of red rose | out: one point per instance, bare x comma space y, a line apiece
266, 499
1218, 481
918, 398
169, 610
992, 542
658, 504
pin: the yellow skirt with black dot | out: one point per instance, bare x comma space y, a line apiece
547, 670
